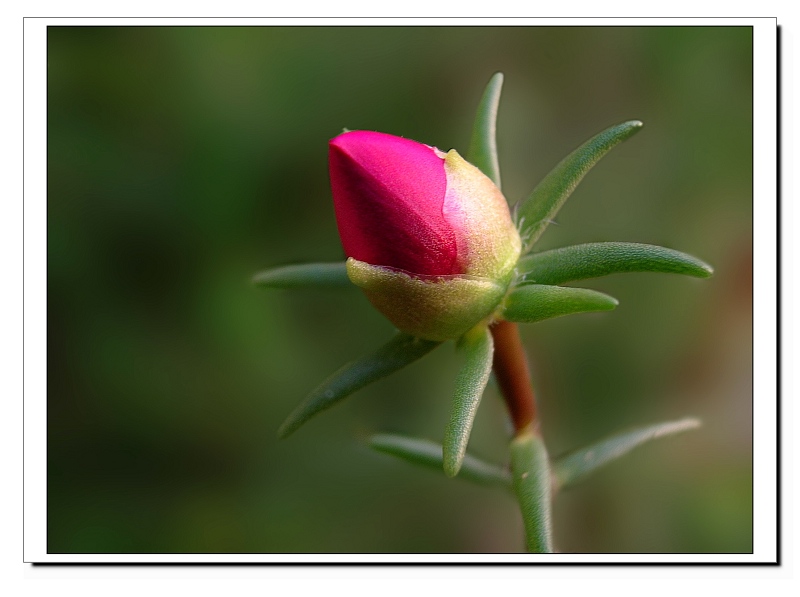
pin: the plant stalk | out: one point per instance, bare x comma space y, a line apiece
510, 364
530, 470
530, 465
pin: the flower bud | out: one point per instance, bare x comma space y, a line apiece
429, 237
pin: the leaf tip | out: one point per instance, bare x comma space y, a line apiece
609, 303
452, 458
451, 466
688, 423
698, 268
286, 429
630, 128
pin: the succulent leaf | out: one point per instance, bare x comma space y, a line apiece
483, 145
429, 454
400, 351
305, 275
573, 467
529, 303
477, 349
534, 213
592, 260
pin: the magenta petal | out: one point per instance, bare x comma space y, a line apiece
388, 194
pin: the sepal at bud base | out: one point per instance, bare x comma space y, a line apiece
435, 308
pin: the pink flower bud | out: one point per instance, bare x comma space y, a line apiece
438, 231
389, 198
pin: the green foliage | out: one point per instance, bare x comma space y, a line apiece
573, 467
429, 454
400, 351
530, 470
483, 145
529, 303
537, 211
304, 275
477, 348
591, 260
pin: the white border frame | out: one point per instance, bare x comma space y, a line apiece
764, 282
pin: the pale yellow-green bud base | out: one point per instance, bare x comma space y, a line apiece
435, 308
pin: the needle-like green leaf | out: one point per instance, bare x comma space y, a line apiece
572, 467
400, 351
483, 145
537, 211
529, 303
591, 260
477, 348
429, 454
305, 275
530, 471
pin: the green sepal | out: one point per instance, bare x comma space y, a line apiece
400, 351
531, 479
573, 467
529, 303
483, 145
429, 454
436, 308
592, 260
534, 213
477, 348
305, 275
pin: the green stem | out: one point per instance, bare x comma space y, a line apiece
530, 465
530, 470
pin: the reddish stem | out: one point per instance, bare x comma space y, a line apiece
514, 376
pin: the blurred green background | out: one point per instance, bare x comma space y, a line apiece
182, 160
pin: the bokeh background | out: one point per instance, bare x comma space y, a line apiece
181, 160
